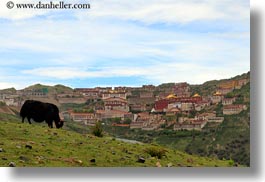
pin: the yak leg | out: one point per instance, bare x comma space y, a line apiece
23, 119
50, 124
29, 120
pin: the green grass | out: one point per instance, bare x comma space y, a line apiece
76, 127
9, 117
63, 148
67, 106
52, 89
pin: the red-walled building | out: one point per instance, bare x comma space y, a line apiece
161, 105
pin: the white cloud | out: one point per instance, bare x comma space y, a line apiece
189, 72
95, 39
4, 85
170, 11
64, 52
71, 73
156, 73
93, 44
158, 12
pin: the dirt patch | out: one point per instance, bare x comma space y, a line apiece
6, 110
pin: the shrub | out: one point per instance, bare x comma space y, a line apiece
156, 152
231, 162
2, 103
97, 130
127, 121
116, 120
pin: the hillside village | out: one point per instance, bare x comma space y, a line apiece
148, 107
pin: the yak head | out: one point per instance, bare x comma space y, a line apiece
59, 124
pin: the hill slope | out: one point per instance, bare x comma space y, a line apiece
6, 109
210, 87
56, 89
36, 145
229, 140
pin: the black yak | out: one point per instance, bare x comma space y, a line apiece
39, 112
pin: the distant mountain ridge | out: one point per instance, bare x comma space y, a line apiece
66, 89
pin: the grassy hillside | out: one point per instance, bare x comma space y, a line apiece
209, 87
37, 145
9, 90
6, 109
57, 89
231, 139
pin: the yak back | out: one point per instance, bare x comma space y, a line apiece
40, 111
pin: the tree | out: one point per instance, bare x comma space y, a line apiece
127, 121
97, 130
117, 120
2, 103
91, 110
192, 113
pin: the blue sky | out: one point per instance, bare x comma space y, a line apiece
123, 42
